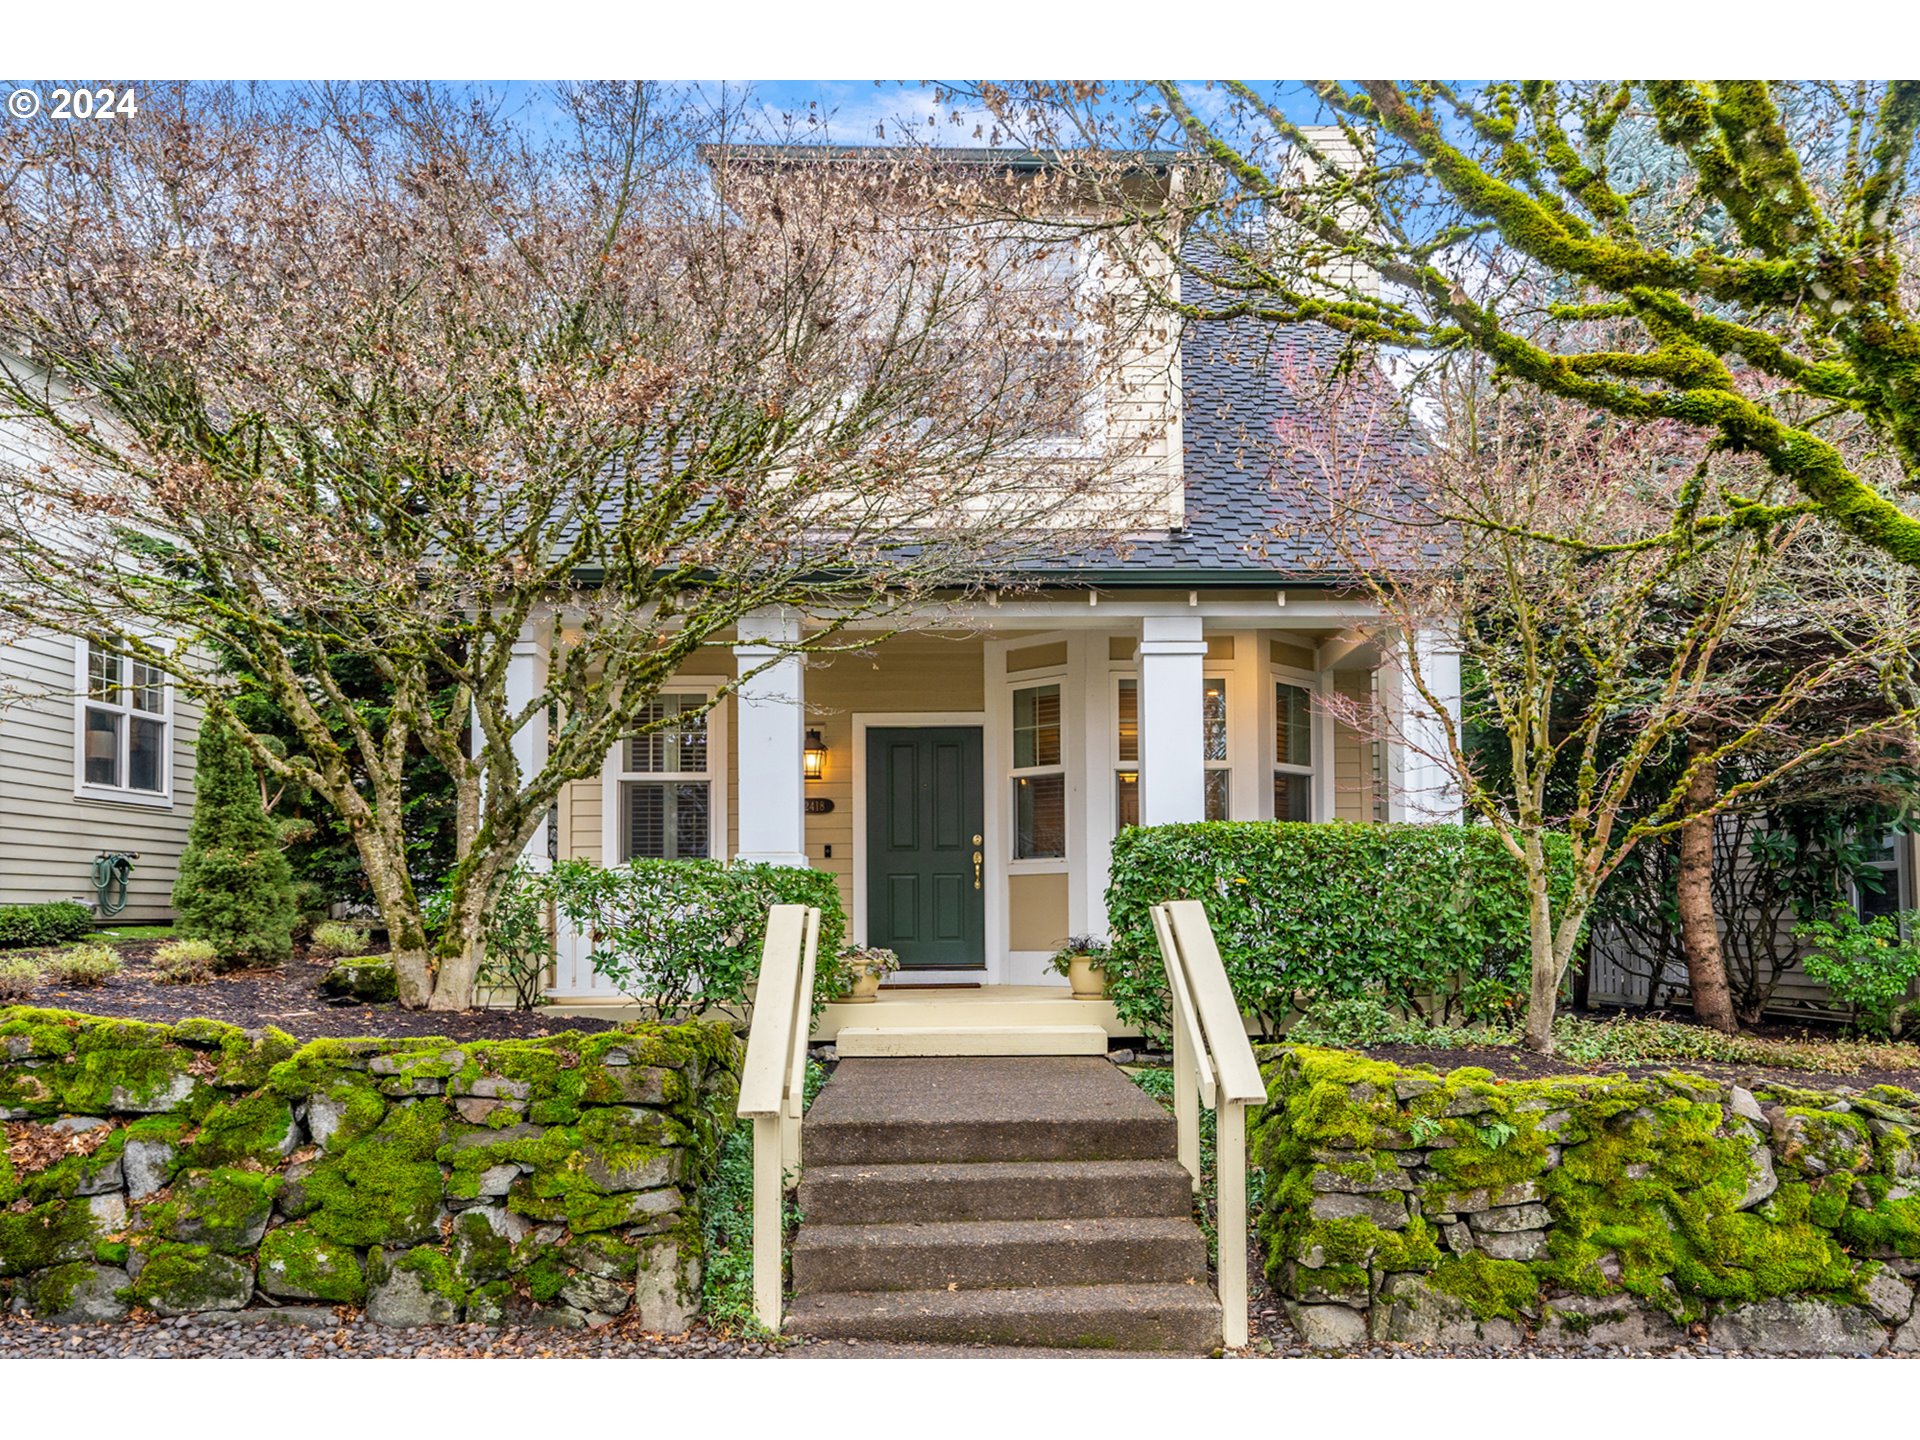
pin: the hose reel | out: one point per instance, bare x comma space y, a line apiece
111, 870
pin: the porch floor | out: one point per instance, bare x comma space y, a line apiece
904, 1008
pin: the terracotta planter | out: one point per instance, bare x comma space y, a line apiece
1088, 979
866, 986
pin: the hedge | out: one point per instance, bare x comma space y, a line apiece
1430, 918
679, 934
54, 923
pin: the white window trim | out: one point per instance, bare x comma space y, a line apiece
1309, 683
1116, 675
613, 773
1032, 680
1903, 899
161, 799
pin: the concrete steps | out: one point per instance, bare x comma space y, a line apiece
1176, 1318
996, 1190
1022, 1201
867, 1041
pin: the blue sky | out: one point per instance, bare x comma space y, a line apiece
864, 112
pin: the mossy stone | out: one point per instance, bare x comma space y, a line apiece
297, 1264
177, 1279
49, 1234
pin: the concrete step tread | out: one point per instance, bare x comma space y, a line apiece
1061, 1090
993, 1190
873, 1041
941, 1234
1181, 1318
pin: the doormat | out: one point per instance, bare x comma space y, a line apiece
939, 985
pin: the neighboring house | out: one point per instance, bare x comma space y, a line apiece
1620, 974
96, 759
964, 781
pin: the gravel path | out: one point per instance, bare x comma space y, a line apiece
295, 1336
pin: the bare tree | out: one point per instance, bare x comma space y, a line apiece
383, 372
1609, 606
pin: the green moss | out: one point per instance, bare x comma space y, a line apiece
224, 1208
1492, 1289
44, 1235
385, 1188
183, 1279
435, 1271
1892, 1226
479, 1253
297, 1263
251, 1128
93, 1066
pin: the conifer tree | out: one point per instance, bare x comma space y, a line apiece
235, 887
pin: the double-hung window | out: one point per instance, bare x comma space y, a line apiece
1292, 752
125, 726
1213, 734
666, 782
1039, 775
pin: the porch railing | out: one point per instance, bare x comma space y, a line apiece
772, 1088
1213, 1065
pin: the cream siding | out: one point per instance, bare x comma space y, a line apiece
1353, 797
48, 836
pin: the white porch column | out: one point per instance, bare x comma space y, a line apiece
1173, 656
526, 678
1425, 789
773, 735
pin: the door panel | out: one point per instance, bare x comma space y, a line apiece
924, 808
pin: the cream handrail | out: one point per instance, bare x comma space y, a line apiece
1213, 1057
772, 1084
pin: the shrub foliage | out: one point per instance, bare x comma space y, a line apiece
677, 935
1427, 918
235, 887
54, 923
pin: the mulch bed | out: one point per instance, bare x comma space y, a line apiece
286, 996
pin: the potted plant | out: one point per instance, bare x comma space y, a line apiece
1083, 960
866, 966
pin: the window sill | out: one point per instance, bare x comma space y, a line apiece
145, 800
1049, 866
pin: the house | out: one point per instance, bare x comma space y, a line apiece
964, 776
96, 761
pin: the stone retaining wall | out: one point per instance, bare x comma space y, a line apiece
1400, 1204
200, 1168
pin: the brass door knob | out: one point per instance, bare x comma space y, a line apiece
977, 858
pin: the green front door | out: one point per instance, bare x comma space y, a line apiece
924, 824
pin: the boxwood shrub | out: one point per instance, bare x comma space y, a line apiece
677, 935
1428, 918
54, 923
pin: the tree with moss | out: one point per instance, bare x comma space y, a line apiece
1732, 256
235, 887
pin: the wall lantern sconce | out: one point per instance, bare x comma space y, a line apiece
814, 757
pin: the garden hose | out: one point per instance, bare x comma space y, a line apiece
110, 872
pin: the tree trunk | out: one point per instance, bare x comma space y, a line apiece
1693, 888
1543, 990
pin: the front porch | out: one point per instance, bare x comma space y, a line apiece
964, 781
